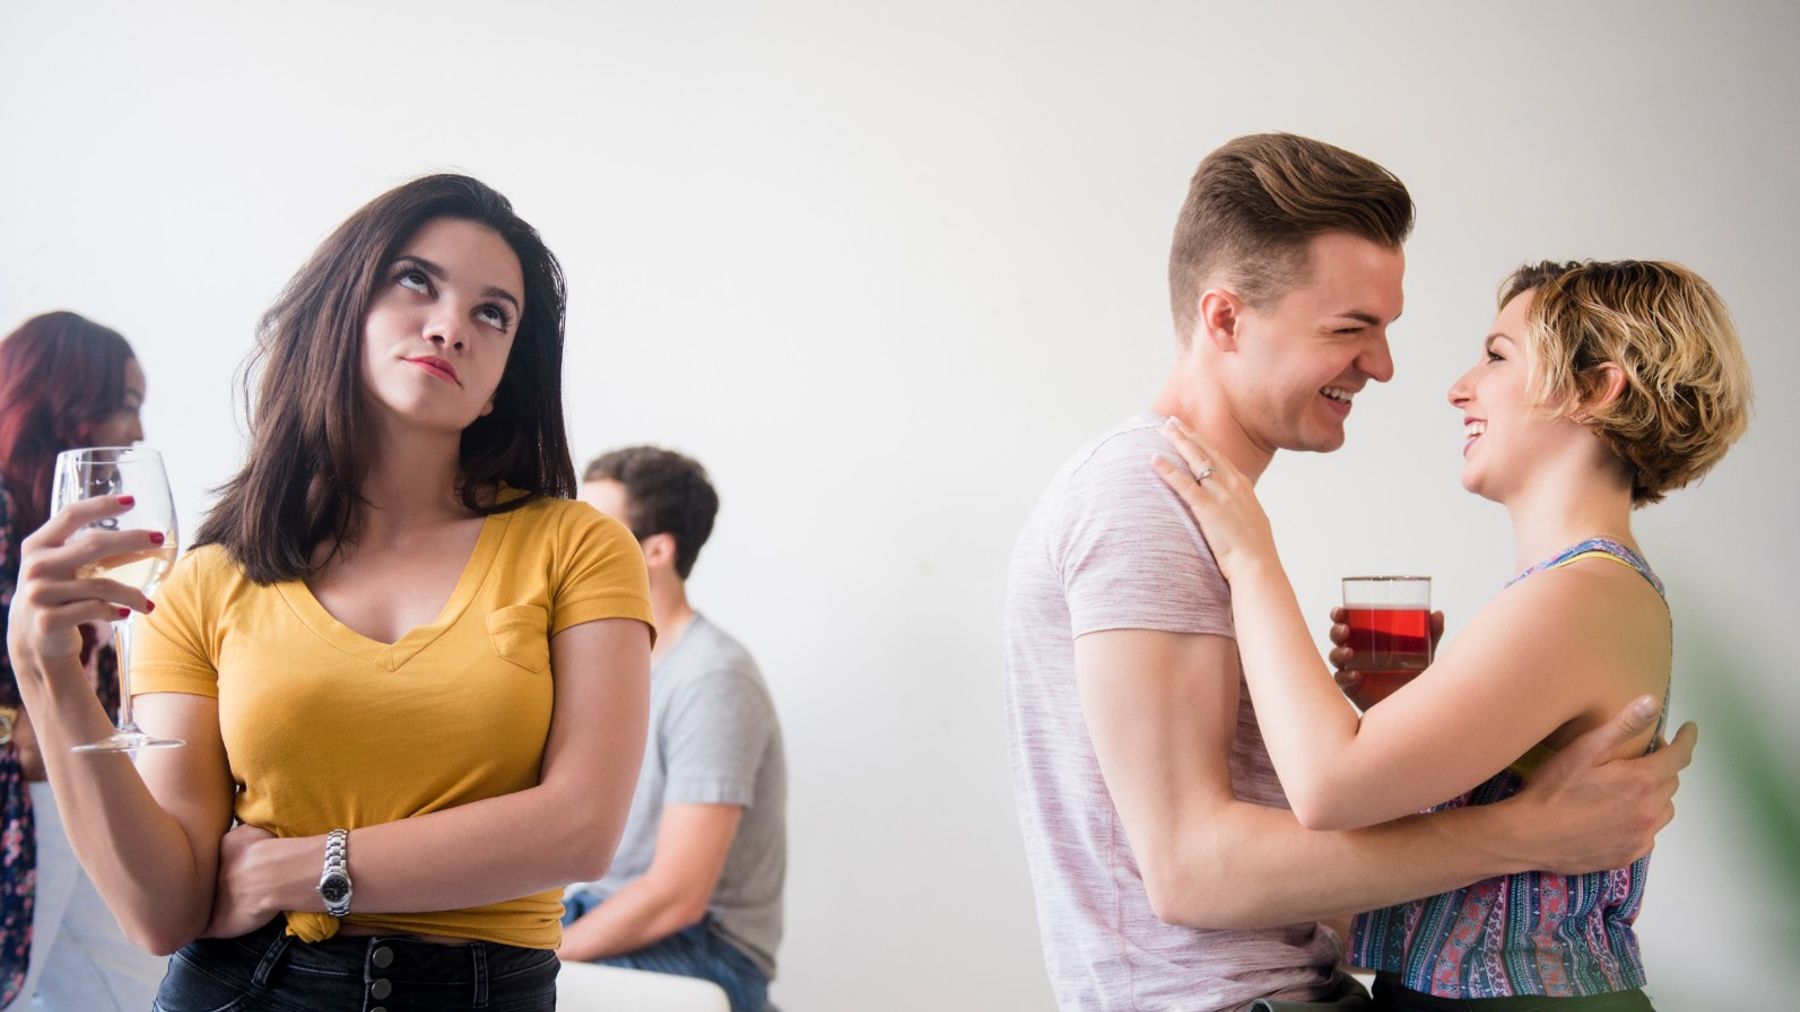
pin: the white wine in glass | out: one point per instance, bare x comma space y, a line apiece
136, 472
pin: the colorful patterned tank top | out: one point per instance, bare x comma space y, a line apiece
1536, 933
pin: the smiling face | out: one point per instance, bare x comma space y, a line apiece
441, 324
1299, 362
1505, 431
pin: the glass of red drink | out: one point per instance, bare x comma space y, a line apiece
1390, 631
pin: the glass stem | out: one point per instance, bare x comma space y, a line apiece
122, 649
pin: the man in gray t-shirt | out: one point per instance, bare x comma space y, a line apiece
1169, 875
695, 885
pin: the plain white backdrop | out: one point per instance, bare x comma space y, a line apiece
882, 267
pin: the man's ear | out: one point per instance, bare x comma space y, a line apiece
1221, 319
659, 550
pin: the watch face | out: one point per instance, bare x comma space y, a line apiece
334, 889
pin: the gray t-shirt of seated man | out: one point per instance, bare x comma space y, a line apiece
714, 740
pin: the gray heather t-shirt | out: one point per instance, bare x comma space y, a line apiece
1109, 546
714, 739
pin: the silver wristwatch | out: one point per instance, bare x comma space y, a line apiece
334, 884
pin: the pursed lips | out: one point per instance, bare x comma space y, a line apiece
437, 367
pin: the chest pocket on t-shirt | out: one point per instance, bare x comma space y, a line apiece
521, 635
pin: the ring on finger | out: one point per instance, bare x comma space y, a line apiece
1203, 474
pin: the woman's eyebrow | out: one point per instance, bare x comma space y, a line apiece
494, 292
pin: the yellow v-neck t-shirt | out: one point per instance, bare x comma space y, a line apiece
325, 728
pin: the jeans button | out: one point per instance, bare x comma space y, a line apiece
382, 957
381, 989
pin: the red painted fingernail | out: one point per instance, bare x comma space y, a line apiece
124, 612
149, 606
128, 500
156, 537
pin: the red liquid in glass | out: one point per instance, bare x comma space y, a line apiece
1379, 685
1396, 640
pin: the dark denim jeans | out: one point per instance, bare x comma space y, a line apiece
695, 951
266, 971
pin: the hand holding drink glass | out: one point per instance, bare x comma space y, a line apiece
1385, 635
141, 541
1386, 630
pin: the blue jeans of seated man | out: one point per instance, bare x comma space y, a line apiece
695, 951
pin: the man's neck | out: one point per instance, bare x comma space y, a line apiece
1190, 394
670, 608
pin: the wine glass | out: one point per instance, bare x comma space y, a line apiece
136, 472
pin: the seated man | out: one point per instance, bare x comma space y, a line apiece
695, 887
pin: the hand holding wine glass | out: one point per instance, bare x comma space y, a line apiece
53, 600
127, 541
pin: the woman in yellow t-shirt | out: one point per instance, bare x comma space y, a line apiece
411, 673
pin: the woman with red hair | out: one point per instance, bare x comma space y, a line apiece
65, 382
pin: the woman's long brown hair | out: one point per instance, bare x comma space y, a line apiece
300, 486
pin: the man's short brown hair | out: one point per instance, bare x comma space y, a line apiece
1687, 384
1256, 202
665, 493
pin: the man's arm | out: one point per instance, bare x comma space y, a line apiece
1161, 709
692, 842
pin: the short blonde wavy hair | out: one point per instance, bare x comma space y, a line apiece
1687, 386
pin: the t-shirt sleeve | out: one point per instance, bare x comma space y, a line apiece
174, 648
714, 737
1130, 555
600, 573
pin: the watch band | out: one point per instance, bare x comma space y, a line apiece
334, 882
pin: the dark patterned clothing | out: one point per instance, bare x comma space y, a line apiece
1536, 933
18, 833
18, 838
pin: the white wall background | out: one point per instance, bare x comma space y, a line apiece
882, 267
